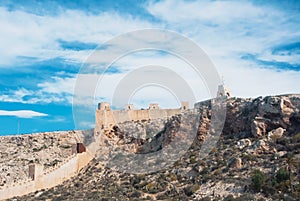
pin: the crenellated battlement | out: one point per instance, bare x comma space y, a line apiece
38, 178
106, 117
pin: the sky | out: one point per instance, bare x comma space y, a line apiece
254, 45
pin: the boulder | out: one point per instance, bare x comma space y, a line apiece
286, 106
258, 127
236, 163
276, 133
280, 154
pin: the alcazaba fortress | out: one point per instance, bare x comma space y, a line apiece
39, 179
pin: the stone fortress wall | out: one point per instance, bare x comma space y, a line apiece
40, 179
106, 117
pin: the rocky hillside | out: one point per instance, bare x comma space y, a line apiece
257, 157
47, 149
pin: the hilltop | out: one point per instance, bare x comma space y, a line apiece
257, 157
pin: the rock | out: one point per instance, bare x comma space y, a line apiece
261, 146
286, 106
241, 144
276, 134
270, 105
281, 153
258, 127
38, 194
236, 163
225, 174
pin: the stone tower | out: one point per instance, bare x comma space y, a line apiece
223, 91
129, 107
103, 106
153, 106
35, 170
185, 105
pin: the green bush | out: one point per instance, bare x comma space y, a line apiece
258, 180
65, 146
296, 138
282, 175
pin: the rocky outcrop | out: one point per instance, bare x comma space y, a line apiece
257, 117
274, 112
259, 134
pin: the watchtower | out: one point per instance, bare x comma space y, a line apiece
153, 106
103, 106
185, 105
129, 107
223, 91
35, 170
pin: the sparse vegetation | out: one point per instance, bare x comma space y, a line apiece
258, 180
282, 175
65, 146
210, 178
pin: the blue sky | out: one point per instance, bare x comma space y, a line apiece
255, 45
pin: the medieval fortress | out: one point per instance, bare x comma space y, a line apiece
106, 118
39, 179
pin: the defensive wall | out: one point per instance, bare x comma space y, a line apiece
106, 117
40, 179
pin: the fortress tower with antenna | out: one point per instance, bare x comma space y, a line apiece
222, 90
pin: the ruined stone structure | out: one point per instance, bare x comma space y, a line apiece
106, 118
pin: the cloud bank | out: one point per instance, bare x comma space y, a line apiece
22, 113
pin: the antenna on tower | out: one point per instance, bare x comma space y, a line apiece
223, 80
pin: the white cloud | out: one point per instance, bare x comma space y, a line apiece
87, 124
22, 113
58, 85
57, 90
249, 80
15, 96
224, 29
287, 57
210, 11
25, 34
227, 30
58, 119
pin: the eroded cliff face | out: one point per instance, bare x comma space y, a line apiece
259, 134
271, 117
257, 117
